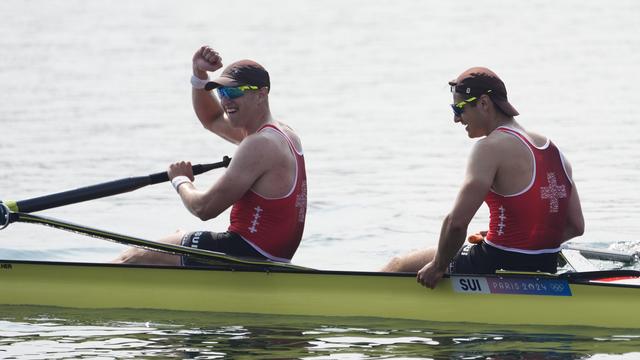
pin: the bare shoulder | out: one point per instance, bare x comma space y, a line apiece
495, 142
496, 148
257, 143
292, 135
536, 138
485, 154
498, 138
255, 150
505, 141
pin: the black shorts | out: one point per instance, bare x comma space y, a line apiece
486, 259
227, 242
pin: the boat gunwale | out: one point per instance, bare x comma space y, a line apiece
577, 278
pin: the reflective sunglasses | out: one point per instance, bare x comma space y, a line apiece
458, 108
234, 92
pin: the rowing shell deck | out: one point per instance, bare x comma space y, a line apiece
603, 299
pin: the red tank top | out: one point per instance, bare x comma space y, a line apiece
274, 226
533, 220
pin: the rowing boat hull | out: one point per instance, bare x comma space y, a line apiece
513, 300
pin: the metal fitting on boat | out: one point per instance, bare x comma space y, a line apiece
4, 215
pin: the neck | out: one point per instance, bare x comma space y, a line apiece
501, 120
262, 118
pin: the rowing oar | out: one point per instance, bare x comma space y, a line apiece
604, 254
214, 258
101, 190
589, 253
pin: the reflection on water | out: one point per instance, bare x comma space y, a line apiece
53, 333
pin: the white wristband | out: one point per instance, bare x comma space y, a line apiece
198, 83
179, 180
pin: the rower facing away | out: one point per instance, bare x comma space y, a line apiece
524, 179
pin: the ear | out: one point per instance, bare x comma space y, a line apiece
485, 102
263, 93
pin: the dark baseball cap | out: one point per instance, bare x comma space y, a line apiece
480, 80
243, 72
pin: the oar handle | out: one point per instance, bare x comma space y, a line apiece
101, 190
197, 170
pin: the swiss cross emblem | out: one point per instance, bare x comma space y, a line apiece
553, 192
256, 216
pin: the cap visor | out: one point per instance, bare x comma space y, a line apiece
221, 81
507, 108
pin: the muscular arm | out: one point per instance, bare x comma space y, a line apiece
205, 104
250, 162
483, 165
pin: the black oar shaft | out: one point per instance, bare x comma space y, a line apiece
82, 194
206, 255
105, 189
197, 170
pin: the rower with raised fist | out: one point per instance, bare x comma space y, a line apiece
265, 185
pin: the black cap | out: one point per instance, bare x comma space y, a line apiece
479, 80
243, 72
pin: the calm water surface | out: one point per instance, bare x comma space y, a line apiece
49, 333
93, 91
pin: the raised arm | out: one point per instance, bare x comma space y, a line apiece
205, 104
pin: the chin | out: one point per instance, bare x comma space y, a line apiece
234, 120
473, 135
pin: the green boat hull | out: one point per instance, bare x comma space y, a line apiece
506, 299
